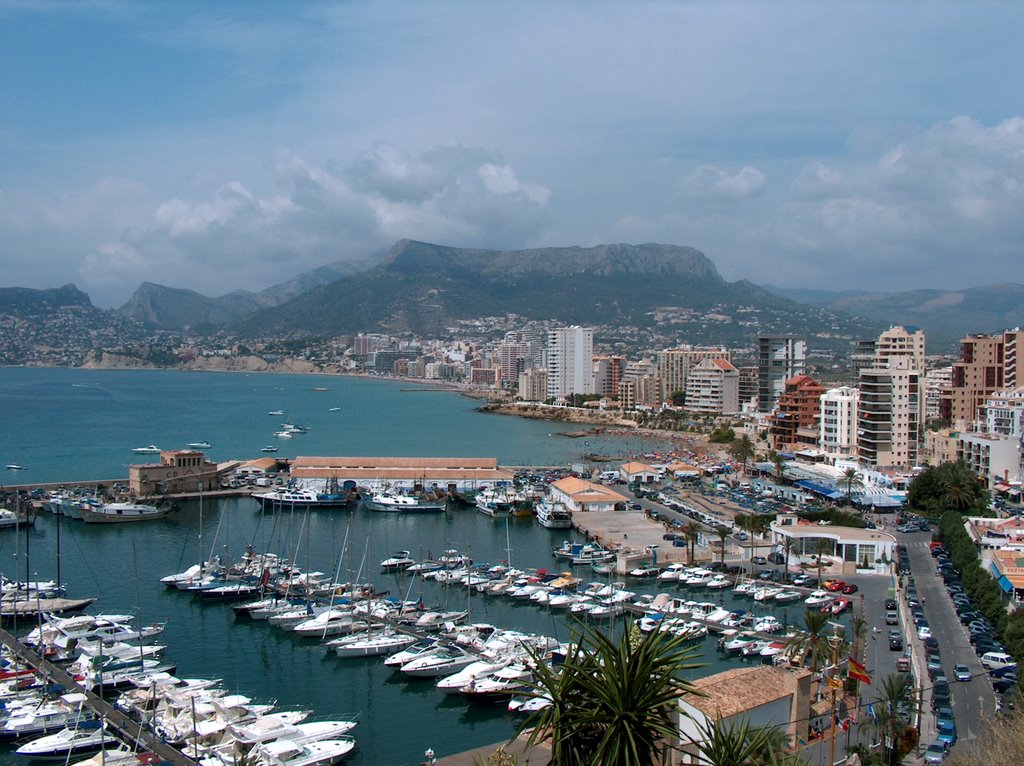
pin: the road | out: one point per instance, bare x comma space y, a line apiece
974, 701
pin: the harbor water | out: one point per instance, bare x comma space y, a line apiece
75, 425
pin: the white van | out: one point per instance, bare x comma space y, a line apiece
996, 660
607, 476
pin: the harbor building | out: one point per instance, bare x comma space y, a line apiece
779, 358
451, 474
569, 357
853, 547
635, 472
579, 495
761, 696
179, 471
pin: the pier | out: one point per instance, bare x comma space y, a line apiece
130, 730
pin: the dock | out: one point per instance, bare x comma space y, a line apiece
130, 730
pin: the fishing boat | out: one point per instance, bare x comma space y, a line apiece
151, 449
116, 513
553, 515
583, 553
496, 501
299, 499
395, 502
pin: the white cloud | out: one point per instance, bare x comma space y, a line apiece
236, 238
715, 184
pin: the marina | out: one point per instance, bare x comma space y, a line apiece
203, 636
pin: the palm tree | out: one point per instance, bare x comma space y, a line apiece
723, 534
779, 463
960, 487
692, 533
813, 644
733, 742
787, 547
743, 450
820, 546
851, 479
614, 700
893, 706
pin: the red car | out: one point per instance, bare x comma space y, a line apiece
834, 585
849, 588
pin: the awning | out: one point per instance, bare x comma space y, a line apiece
820, 489
1002, 487
1005, 584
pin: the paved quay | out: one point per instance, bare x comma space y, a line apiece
629, 532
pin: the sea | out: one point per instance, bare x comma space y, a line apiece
64, 425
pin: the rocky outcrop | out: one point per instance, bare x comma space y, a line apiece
564, 414
106, 360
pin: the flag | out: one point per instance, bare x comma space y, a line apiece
858, 672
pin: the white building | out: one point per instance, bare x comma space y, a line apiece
713, 388
890, 412
779, 358
992, 457
579, 495
1004, 412
570, 361
935, 382
837, 429
853, 547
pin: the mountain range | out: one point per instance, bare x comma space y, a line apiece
423, 288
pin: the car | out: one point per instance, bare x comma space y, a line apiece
896, 643
673, 536
833, 585
936, 752
776, 558
947, 731
934, 666
849, 588
924, 631
892, 618
890, 604
635, 507
741, 536
1003, 683
759, 560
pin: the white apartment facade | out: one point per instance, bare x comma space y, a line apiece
713, 388
837, 429
570, 361
779, 358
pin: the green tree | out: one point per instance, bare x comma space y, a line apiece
894, 707
743, 450
812, 643
851, 479
779, 464
723, 534
614, 701
735, 742
692, 533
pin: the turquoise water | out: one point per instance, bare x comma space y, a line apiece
78, 425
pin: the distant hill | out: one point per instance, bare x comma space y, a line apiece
811, 296
25, 301
172, 308
423, 288
944, 315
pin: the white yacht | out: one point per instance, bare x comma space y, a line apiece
286, 752
373, 644
394, 502
447, 659
553, 515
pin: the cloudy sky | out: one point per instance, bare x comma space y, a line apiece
235, 144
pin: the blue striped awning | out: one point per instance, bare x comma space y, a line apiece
1005, 584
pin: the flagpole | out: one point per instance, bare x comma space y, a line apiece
835, 667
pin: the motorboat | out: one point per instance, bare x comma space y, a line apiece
583, 553
151, 449
276, 412
767, 624
672, 573
116, 513
698, 578
788, 596
767, 593
297, 498
243, 737
737, 643
773, 649
453, 683
9, 518
499, 685
719, 582
66, 711
372, 644
553, 515
199, 445
650, 571
85, 738
441, 662
268, 448
397, 560
452, 559
819, 598
745, 588
284, 434
421, 647
394, 502
331, 622
838, 606
286, 752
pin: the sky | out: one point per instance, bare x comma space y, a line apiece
217, 146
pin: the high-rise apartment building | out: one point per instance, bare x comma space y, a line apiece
713, 388
674, 365
987, 363
837, 430
890, 413
570, 361
533, 385
779, 358
608, 374
798, 408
